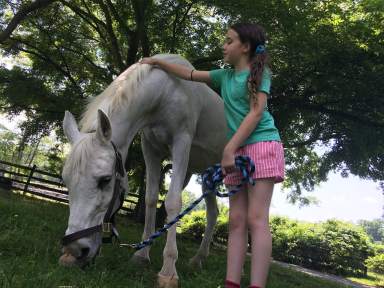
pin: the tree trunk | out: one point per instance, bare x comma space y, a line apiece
33, 153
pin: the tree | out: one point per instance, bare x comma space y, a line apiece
328, 61
8, 142
374, 228
23, 12
188, 197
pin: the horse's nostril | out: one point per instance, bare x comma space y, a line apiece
84, 253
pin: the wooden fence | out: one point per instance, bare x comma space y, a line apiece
35, 182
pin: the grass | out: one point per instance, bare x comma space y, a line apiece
373, 279
30, 233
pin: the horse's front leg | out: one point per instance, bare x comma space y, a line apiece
152, 159
168, 277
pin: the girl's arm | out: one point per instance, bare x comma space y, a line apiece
250, 121
246, 127
179, 70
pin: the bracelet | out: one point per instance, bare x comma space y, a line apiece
191, 74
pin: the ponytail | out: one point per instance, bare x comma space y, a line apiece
258, 63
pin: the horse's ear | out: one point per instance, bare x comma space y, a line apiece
70, 127
104, 130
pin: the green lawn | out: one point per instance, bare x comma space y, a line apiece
30, 248
373, 279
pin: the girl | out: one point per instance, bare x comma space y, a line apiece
252, 132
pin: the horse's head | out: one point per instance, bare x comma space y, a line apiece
91, 174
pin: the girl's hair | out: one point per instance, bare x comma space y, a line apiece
254, 35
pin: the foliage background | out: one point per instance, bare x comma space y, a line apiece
327, 63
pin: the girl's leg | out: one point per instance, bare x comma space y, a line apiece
259, 200
237, 238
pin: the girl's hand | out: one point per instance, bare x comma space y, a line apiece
148, 60
228, 162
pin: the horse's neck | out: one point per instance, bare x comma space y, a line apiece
126, 123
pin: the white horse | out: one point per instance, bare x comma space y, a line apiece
178, 118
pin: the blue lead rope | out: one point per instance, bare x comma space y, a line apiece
211, 179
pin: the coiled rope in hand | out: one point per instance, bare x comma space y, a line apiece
211, 179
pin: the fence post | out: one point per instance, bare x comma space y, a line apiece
29, 179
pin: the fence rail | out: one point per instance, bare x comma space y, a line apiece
33, 181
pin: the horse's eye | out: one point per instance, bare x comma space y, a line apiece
103, 181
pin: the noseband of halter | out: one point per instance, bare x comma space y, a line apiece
107, 226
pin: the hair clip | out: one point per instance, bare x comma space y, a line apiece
260, 49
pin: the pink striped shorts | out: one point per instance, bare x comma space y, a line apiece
268, 157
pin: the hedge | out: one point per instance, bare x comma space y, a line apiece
333, 246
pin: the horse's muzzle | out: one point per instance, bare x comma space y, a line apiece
79, 253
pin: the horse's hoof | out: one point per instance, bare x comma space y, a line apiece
167, 281
196, 263
140, 261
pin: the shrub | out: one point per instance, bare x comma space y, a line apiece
221, 230
333, 246
349, 246
376, 263
194, 224
378, 249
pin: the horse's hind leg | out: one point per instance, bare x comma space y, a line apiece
152, 159
186, 180
212, 213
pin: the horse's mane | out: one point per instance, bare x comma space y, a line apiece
79, 156
121, 91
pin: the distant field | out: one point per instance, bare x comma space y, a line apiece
30, 248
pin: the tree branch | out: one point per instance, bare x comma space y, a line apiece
21, 15
312, 139
176, 23
6, 108
124, 28
114, 42
286, 100
87, 17
208, 59
340, 114
89, 60
40, 54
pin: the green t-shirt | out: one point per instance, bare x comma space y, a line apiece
234, 91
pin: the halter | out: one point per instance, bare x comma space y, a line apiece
107, 226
